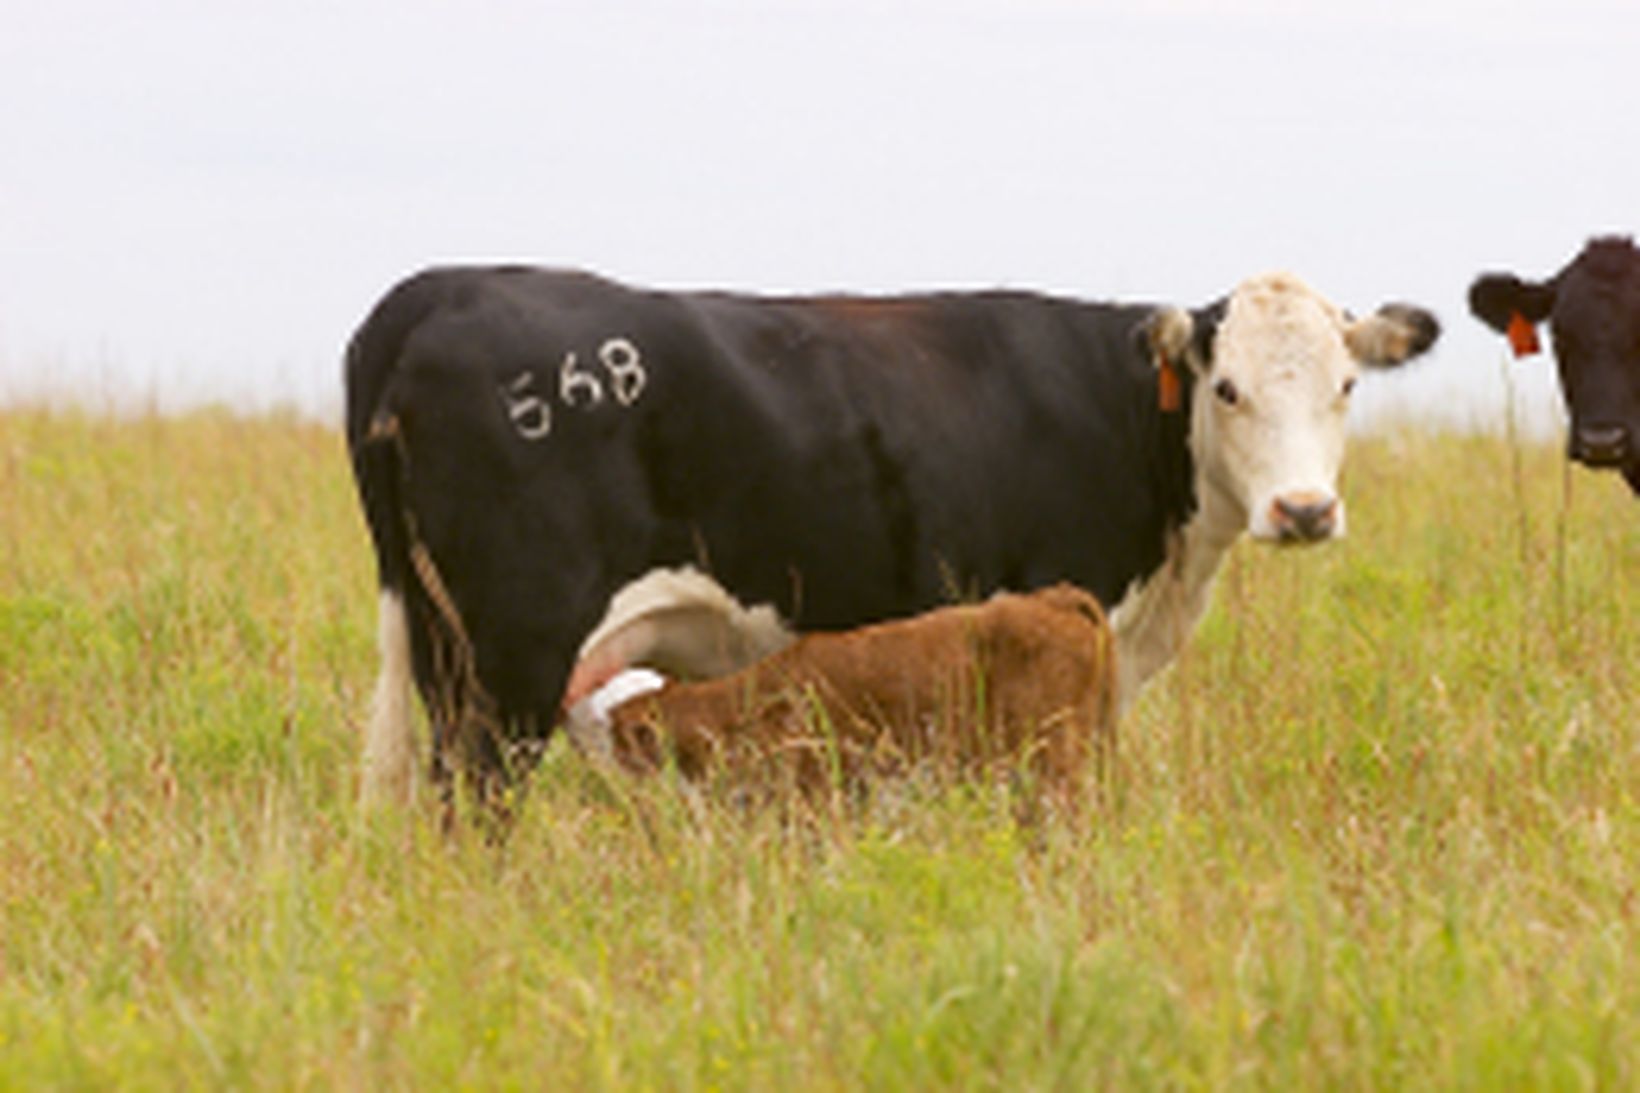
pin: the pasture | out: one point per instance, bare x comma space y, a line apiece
1378, 828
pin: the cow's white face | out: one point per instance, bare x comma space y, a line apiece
1273, 384
1268, 419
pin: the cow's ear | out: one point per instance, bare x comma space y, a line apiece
1392, 335
1179, 336
1512, 307
1496, 298
1164, 336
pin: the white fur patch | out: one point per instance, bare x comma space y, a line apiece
388, 771
588, 720
1158, 613
624, 688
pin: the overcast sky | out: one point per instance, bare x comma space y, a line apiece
199, 201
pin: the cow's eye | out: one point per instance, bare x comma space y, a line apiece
1227, 393
1349, 387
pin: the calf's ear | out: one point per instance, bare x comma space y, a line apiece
1392, 335
1512, 307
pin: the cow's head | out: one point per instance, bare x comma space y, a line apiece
1274, 367
1593, 310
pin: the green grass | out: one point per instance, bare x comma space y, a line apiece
1378, 828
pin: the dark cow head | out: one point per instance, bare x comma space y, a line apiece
1593, 310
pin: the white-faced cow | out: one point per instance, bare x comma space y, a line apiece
527, 443
1593, 310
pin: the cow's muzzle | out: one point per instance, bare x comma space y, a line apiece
1304, 517
1601, 445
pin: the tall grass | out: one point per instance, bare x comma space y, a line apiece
1377, 828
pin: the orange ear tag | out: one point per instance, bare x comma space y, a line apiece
1523, 336
1168, 393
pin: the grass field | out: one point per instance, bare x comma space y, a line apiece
1378, 828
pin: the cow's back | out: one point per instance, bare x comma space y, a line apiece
845, 460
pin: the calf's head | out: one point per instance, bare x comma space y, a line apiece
1593, 310
1275, 364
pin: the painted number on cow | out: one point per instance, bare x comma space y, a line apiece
626, 374
581, 385
531, 415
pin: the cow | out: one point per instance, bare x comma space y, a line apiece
1018, 681
1593, 310
527, 443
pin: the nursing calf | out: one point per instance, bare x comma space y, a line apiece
1016, 682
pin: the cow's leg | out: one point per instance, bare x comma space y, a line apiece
498, 709
1632, 474
389, 768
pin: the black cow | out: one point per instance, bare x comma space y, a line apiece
1593, 309
528, 442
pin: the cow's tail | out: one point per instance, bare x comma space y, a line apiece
374, 441
375, 446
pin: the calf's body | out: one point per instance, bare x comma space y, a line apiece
1017, 679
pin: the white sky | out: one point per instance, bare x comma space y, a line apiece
198, 201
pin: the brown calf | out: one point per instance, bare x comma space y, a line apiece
1017, 678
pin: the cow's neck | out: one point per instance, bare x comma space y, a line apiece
1158, 613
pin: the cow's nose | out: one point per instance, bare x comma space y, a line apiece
1305, 517
1600, 445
